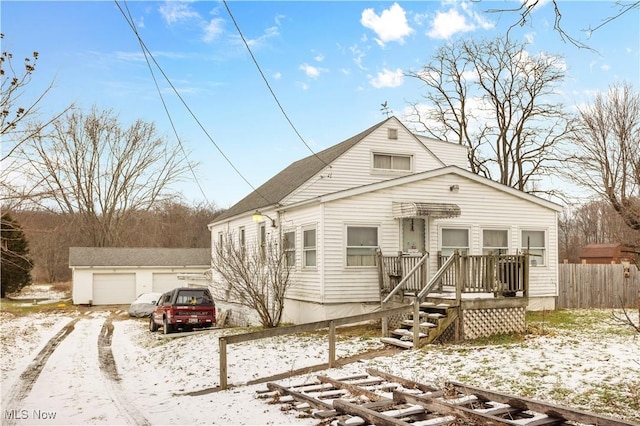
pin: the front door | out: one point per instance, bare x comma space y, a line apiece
413, 236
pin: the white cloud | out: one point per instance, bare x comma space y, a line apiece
461, 17
213, 30
319, 57
173, 11
387, 78
277, 76
310, 70
390, 25
358, 56
605, 67
446, 24
268, 33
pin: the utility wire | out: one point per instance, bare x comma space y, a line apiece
164, 104
286, 116
146, 49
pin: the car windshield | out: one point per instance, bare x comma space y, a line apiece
194, 297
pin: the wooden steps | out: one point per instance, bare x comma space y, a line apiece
434, 318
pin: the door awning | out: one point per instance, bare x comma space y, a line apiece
420, 209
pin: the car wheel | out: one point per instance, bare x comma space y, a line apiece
152, 325
166, 327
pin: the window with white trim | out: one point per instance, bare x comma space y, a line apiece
362, 242
495, 241
241, 237
534, 241
392, 133
454, 239
309, 251
263, 240
391, 162
289, 247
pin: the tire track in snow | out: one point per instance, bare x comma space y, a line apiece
22, 387
109, 370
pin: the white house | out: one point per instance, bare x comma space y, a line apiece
113, 275
392, 190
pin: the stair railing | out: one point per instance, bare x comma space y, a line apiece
407, 277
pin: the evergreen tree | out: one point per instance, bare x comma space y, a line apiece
16, 263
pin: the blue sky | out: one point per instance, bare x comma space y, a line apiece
331, 65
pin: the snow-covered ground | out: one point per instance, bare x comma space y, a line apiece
594, 365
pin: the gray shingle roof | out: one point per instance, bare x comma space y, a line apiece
278, 187
144, 256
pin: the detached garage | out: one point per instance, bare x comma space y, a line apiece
116, 276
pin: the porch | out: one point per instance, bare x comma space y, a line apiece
469, 296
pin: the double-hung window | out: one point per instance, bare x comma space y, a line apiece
534, 241
309, 250
362, 242
391, 162
289, 247
454, 239
495, 241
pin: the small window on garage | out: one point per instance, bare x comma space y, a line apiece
392, 133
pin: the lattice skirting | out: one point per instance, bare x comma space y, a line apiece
395, 321
486, 322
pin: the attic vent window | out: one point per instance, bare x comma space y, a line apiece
392, 133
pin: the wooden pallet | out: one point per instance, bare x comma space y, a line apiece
382, 399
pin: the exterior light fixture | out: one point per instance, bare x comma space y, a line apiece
626, 267
454, 188
259, 217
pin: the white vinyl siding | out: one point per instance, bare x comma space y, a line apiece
354, 167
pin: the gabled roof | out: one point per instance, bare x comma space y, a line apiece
118, 256
288, 180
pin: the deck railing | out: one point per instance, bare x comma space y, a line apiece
501, 274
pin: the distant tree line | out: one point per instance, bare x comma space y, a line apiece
50, 234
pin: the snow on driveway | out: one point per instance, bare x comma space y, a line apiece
592, 367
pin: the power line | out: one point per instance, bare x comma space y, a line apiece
146, 49
286, 116
164, 104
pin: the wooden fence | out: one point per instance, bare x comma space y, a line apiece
597, 286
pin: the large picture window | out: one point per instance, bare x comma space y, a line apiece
454, 239
289, 247
362, 242
495, 241
534, 241
309, 249
392, 162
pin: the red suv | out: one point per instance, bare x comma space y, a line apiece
183, 308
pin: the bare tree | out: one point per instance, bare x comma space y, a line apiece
607, 154
526, 8
99, 173
256, 276
17, 107
497, 100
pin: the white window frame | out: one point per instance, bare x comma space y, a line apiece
392, 155
289, 248
535, 261
262, 240
392, 133
241, 237
451, 249
494, 250
310, 249
347, 247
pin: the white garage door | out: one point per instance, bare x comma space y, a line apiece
166, 281
114, 289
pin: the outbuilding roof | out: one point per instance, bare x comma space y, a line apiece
139, 256
604, 250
